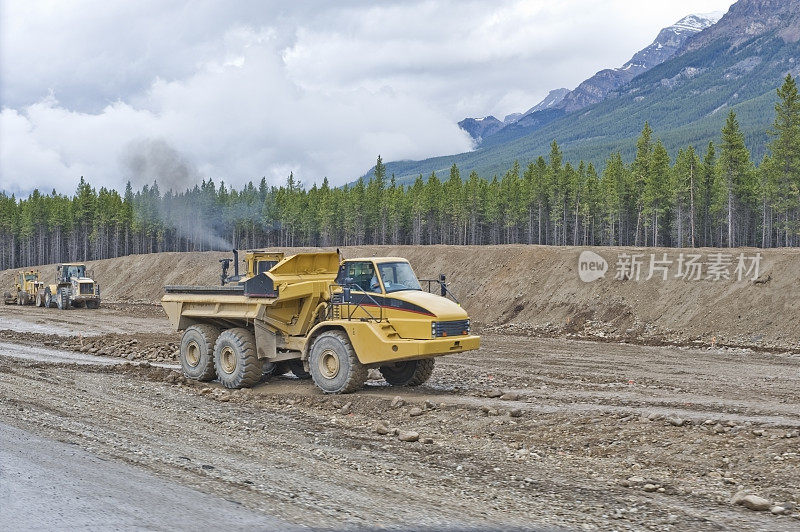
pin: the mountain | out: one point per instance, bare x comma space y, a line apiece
596, 88
665, 46
554, 98
478, 128
737, 64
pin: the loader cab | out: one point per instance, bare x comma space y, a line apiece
65, 272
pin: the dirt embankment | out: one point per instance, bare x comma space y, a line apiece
537, 290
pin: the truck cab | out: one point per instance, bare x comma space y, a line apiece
387, 288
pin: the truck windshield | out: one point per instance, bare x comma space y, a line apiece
398, 276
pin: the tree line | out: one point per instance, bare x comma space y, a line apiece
713, 195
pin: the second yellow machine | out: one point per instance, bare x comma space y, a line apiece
317, 315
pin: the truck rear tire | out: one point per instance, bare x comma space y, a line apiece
7, 299
197, 352
235, 359
92, 304
334, 365
409, 373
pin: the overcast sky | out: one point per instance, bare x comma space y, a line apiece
186, 90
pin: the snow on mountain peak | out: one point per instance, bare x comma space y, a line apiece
698, 21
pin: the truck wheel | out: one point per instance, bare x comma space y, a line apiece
92, 304
24, 298
62, 299
39, 300
410, 373
197, 352
7, 298
48, 298
334, 365
235, 359
296, 367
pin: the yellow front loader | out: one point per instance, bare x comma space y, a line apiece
324, 317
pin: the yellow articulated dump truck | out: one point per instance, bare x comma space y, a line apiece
317, 315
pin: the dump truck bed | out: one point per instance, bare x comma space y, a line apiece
210, 290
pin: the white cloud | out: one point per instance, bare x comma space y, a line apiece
258, 89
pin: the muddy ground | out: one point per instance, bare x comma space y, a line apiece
527, 432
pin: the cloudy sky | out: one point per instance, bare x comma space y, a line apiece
186, 90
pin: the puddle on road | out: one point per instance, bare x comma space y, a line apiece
41, 354
43, 327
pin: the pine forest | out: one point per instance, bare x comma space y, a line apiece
713, 195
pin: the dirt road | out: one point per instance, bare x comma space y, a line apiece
592, 435
46, 485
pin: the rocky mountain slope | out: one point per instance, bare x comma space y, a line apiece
738, 63
593, 90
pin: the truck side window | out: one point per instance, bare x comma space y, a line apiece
362, 274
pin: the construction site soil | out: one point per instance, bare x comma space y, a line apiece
660, 404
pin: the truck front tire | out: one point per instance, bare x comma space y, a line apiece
235, 359
197, 352
334, 365
62, 299
409, 373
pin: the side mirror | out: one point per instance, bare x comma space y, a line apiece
346, 289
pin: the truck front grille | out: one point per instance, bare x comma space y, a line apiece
87, 288
450, 328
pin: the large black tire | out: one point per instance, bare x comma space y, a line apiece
409, 373
92, 304
197, 352
62, 299
24, 298
296, 367
48, 298
334, 365
7, 298
235, 359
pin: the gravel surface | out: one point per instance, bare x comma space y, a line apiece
527, 432
47, 485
